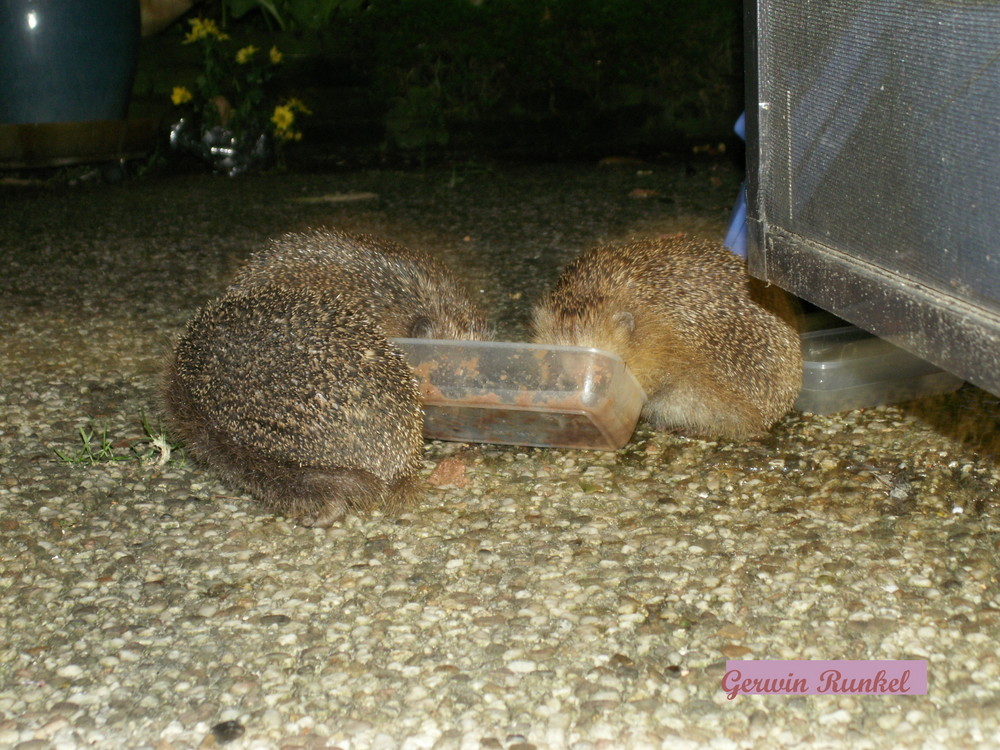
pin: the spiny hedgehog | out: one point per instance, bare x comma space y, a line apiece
716, 351
299, 399
288, 386
409, 294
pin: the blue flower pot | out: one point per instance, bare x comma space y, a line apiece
67, 60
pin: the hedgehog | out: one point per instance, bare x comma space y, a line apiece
288, 387
716, 351
409, 294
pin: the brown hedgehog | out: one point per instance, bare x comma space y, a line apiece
716, 351
290, 389
408, 294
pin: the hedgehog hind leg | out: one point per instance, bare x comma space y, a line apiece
403, 493
314, 496
706, 409
321, 497
326, 496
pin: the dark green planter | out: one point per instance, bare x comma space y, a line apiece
67, 60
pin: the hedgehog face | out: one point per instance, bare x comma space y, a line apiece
594, 326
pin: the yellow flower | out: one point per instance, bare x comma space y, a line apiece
282, 118
202, 28
297, 105
244, 55
180, 95
275, 55
197, 31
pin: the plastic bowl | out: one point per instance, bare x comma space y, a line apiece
524, 394
848, 368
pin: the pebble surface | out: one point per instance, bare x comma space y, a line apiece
549, 599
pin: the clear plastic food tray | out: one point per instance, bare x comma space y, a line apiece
524, 394
848, 368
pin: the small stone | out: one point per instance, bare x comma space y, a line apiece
758, 723
839, 716
271, 719
450, 740
275, 619
129, 654
522, 666
243, 687
731, 631
49, 728
888, 721
877, 625
618, 660
607, 696
69, 671
227, 731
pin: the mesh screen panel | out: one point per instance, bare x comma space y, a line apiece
878, 136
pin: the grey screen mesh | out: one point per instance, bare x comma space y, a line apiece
878, 136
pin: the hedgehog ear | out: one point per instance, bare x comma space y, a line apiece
422, 328
624, 320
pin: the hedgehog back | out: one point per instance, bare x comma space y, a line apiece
407, 293
283, 392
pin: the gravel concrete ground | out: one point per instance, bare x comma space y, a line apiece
536, 598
